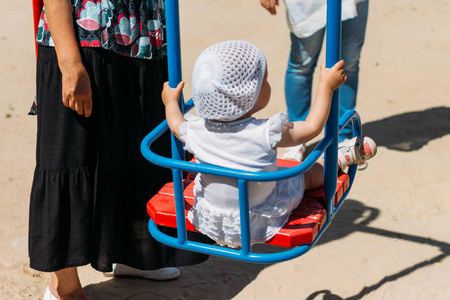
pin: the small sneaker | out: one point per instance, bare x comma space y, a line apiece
295, 153
362, 166
160, 274
356, 151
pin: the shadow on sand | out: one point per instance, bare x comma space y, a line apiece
227, 277
346, 222
409, 131
405, 132
230, 277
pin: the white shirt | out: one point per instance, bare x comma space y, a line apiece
306, 17
244, 145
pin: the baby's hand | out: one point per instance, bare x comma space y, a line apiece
334, 77
169, 94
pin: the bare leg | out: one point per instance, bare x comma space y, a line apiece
65, 284
314, 176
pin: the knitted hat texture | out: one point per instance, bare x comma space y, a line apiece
226, 80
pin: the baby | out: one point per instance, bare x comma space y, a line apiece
229, 85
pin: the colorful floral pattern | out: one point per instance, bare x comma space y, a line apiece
134, 28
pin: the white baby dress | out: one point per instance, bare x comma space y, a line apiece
245, 145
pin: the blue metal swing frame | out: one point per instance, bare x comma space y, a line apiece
327, 145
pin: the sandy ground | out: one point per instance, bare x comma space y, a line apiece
390, 240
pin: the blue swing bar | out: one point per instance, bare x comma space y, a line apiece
333, 54
177, 163
174, 69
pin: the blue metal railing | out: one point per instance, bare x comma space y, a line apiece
327, 145
333, 54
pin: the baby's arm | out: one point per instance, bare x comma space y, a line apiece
174, 116
295, 133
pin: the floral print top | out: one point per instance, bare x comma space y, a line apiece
134, 28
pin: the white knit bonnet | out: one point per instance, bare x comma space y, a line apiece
226, 80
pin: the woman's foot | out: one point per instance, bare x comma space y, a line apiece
296, 153
160, 274
356, 151
65, 284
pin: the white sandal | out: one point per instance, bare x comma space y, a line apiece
356, 151
160, 274
48, 295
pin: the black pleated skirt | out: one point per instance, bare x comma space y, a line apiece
91, 183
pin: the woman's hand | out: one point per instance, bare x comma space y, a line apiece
76, 89
270, 5
76, 86
334, 77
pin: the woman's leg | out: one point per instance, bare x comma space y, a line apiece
298, 82
299, 74
353, 34
65, 284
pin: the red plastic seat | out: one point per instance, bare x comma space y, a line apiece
302, 227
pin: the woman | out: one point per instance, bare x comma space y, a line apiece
100, 71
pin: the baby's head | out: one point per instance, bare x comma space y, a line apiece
226, 80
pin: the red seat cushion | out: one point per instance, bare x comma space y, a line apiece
302, 227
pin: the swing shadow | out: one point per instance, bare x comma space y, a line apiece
349, 221
217, 278
220, 278
409, 131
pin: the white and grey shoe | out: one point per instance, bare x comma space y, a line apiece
160, 274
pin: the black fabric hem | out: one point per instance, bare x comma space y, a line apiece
54, 269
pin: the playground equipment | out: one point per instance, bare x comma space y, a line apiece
317, 209
306, 224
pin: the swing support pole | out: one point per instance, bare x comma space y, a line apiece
328, 146
333, 55
174, 67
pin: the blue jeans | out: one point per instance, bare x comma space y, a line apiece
303, 60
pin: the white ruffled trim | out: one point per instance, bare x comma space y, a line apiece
266, 219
